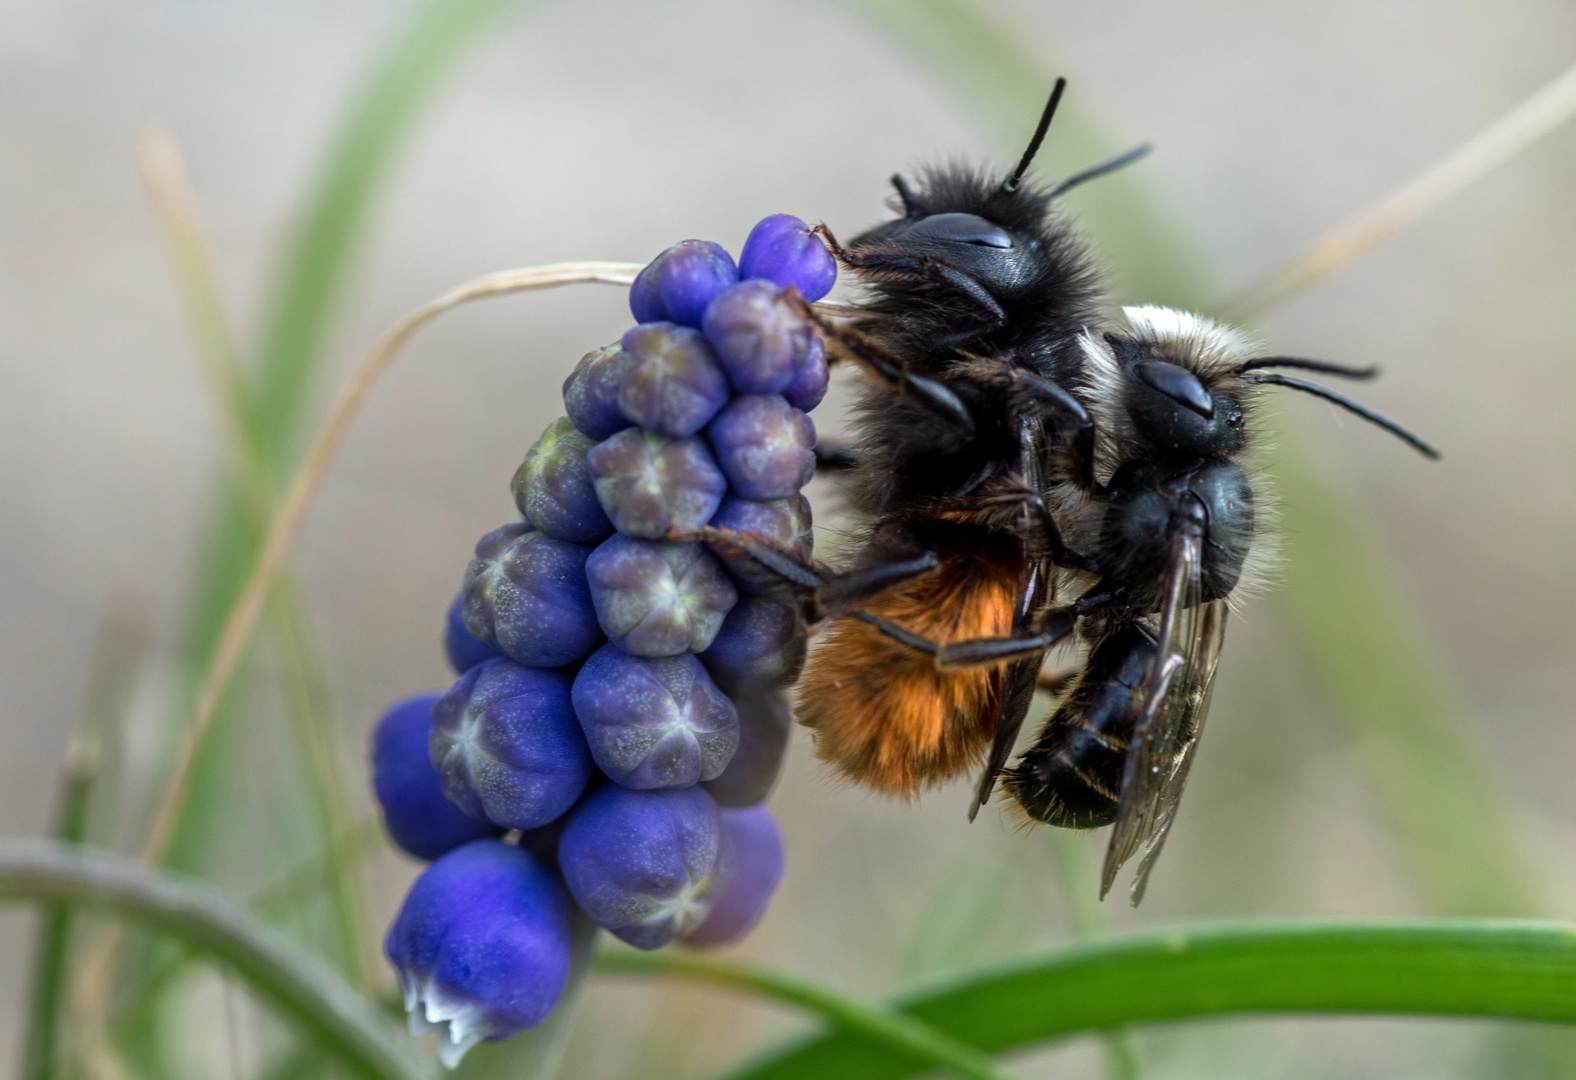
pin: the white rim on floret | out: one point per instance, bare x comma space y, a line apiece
458, 1023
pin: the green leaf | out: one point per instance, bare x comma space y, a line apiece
1510, 969
342, 1022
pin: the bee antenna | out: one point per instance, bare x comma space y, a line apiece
1011, 183
1340, 370
1094, 172
911, 206
1350, 406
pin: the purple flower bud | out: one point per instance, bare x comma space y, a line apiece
553, 487
760, 340
675, 384
690, 274
761, 645
764, 446
526, 596
482, 946
645, 295
765, 722
415, 812
459, 644
591, 392
782, 249
646, 864
810, 379
784, 522
649, 484
507, 745
757, 871
658, 599
654, 723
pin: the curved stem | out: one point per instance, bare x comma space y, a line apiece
287, 520
344, 1023
1488, 968
922, 1046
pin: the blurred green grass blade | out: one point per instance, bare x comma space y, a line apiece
1395, 701
318, 262
920, 1046
119, 653
1481, 968
341, 1021
1409, 731
54, 931
164, 175
974, 51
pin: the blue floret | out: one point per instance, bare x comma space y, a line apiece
526, 596
764, 446
654, 723
415, 812
553, 487
658, 599
675, 383
757, 871
482, 946
649, 484
783, 250
646, 865
507, 746
460, 646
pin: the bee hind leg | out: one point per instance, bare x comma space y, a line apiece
821, 593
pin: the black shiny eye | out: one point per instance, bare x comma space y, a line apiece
1177, 383
961, 229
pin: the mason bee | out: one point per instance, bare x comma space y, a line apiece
1030, 473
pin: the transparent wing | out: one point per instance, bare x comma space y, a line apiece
1170, 708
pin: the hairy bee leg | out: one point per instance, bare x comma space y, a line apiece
888, 371
820, 593
835, 457
1055, 626
931, 270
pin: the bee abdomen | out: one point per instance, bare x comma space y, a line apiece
1072, 776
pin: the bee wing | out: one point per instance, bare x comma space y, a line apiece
1171, 704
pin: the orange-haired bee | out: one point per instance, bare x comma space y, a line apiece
1029, 473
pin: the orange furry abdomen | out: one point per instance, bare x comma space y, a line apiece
883, 714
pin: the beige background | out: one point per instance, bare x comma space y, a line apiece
608, 129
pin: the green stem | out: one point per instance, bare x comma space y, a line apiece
343, 1023
1487, 968
38, 1061
923, 1047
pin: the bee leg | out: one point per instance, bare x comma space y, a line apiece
819, 593
1056, 626
889, 372
835, 457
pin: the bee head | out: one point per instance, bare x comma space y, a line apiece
1179, 383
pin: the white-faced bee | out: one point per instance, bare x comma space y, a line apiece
1030, 473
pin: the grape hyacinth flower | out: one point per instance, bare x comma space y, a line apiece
620, 706
526, 596
760, 340
649, 484
658, 599
553, 487
757, 871
654, 723
783, 250
678, 285
417, 815
507, 746
765, 722
460, 646
591, 392
646, 865
482, 946
675, 383
764, 446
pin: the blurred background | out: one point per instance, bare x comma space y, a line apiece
607, 129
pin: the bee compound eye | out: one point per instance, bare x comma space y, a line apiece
1177, 383
962, 229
